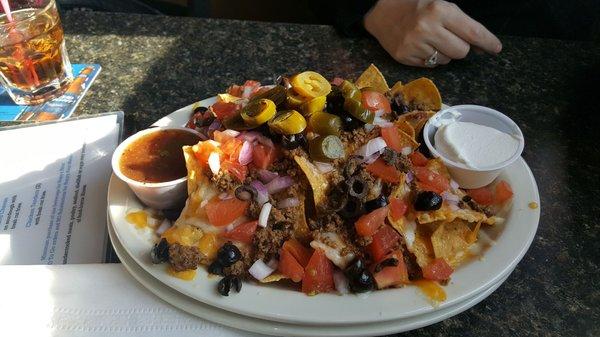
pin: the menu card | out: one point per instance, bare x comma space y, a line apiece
53, 185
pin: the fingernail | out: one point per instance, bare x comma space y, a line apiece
498, 48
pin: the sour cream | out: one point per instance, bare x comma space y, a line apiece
476, 146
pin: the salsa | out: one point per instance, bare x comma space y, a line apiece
157, 156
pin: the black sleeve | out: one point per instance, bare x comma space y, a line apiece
345, 15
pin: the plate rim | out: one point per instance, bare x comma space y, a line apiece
246, 323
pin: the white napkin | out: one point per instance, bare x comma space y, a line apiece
92, 300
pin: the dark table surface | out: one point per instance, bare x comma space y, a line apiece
154, 65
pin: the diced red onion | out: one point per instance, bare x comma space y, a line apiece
453, 206
267, 176
250, 136
369, 127
454, 185
406, 150
379, 113
231, 133
262, 195
264, 214
164, 225
373, 146
214, 162
289, 202
324, 167
279, 184
247, 91
202, 136
337, 81
259, 270
245, 156
409, 177
215, 125
265, 141
450, 197
341, 282
382, 122
151, 221
371, 159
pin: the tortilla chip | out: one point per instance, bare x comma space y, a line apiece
407, 141
445, 213
316, 179
449, 242
199, 186
372, 78
472, 237
422, 248
436, 165
422, 94
396, 89
416, 119
301, 230
273, 278
405, 127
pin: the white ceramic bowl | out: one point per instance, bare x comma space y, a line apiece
164, 195
465, 176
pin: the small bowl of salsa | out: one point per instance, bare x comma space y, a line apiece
151, 162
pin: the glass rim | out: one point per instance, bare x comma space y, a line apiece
43, 10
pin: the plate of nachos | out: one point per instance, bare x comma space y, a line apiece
317, 201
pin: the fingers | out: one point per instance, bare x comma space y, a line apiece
471, 31
449, 44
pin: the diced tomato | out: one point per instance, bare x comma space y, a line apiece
503, 192
430, 180
392, 138
417, 158
231, 147
375, 101
318, 274
220, 136
300, 252
236, 169
224, 212
392, 275
263, 156
235, 90
369, 223
386, 172
398, 208
437, 270
289, 266
203, 150
384, 242
224, 110
242, 233
482, 195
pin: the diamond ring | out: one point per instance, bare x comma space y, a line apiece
432, 60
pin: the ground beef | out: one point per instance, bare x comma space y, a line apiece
224, 181
267, 241
253, 210
240, 267
400, 161
358, 137
184, 257
373, 185
414, 271
479, 208
363, 241
285, 167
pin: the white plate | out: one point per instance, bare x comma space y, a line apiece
271, 302
241, 322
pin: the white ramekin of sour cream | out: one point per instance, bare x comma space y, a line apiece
475, 143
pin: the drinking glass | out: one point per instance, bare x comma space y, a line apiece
34, 66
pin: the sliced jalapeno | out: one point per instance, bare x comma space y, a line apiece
310, 84
236, 122
326, 148
349, 90
293, 100
313, 105
258, 112
288, 122
325, 123
358, 111
277, 94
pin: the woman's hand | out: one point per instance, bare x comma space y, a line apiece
412, 30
